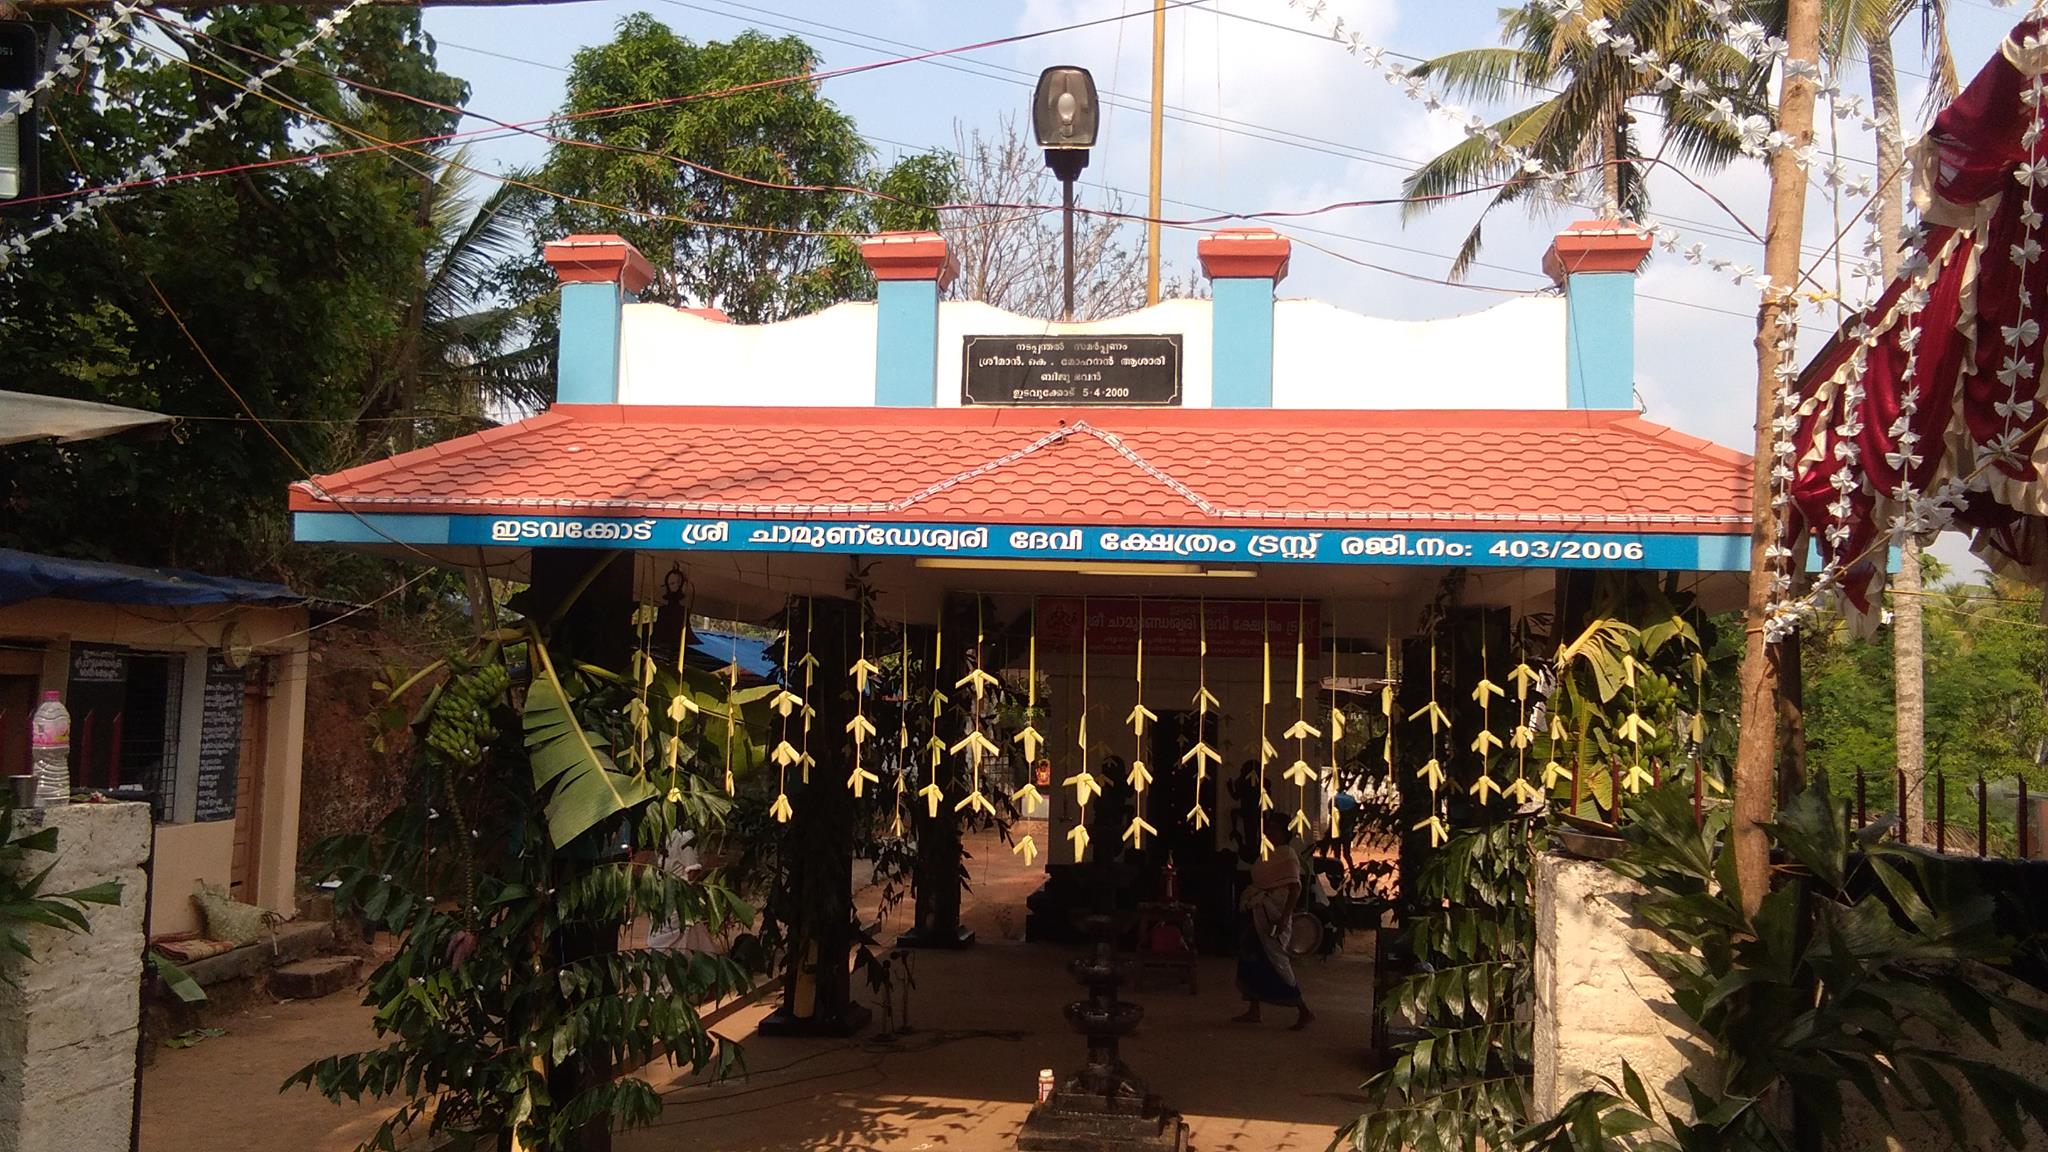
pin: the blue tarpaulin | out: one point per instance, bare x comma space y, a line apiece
28, 576
722, 648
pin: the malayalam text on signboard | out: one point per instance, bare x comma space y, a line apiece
1071, 370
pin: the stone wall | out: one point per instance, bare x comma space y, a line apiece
69, 1018
1598, 1002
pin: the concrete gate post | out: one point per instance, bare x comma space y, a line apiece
70, 1017
1598, 1002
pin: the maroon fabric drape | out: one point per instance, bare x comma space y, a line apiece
1976, 211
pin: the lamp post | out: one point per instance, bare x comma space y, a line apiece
1063, 115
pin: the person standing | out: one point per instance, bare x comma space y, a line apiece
1265, 974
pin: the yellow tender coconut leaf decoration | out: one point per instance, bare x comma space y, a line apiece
810, 666
1433, 770
1301, 731
784, 703
976, 742
1484, 694
1552, 770
1082, 781
1201, 754
1028, 849
1139, 777
903, 758
931, 793
1521, 791
860, 727
1267, 752
1029, 736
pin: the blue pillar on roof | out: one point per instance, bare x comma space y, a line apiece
1244, 265
1595, 262
600, 275
910, 268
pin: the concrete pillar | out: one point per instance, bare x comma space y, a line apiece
1595, 262
937, 886
910, 269
817, 845
600, 275
71, 1017
1598, 1002
1244, 266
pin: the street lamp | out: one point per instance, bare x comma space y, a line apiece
1063, 114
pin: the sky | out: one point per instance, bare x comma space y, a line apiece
1265, 112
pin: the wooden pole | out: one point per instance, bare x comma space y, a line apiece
1152, 199
1755, 758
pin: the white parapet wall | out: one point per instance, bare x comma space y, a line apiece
1598, 1002
70, 1016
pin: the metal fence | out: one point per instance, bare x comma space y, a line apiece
1966, 815
1971, 815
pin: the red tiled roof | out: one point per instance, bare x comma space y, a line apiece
1175, 467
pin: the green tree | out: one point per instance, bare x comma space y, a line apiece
1584, 117
268, 288
746, 199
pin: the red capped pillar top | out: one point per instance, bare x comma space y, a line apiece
909, 256
599, 259
1596, 246
1244, 254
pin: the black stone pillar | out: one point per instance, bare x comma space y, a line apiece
936, 880
817, 844
597, 625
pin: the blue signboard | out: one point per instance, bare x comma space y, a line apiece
1215, 547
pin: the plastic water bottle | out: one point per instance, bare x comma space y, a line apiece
50, 742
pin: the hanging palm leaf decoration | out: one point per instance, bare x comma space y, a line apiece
903, 757
1301, 731
785, 702
860, 727
1201, 754
1521, 791
1139, 777
1267, 753
1336, 721
1484, 693
1389, 782
1433, 771
1634, 729
1028, 798
1082, 781
585, 787
810, 665
976, 742
931, 793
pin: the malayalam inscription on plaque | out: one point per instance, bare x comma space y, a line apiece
1071, 371
220, 740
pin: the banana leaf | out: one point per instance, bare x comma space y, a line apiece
587, 788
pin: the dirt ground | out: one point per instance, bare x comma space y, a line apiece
985, 1021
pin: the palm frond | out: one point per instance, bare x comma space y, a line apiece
1486, 73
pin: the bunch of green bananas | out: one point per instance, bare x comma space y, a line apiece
461, 727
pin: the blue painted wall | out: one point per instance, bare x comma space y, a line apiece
1600, 340
587, 357
1242, 354
906, 343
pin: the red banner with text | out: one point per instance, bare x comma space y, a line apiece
1175, 627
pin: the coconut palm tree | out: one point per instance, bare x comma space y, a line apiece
1586, 119
462, 355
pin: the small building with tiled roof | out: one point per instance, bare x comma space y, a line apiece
1281, 439
1147, 509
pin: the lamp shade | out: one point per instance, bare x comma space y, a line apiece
1064, 112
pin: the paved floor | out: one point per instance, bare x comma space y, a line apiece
986, 1020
